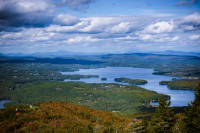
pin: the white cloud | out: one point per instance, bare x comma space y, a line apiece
193, 19
67, 29
190, 22
83, 39
42, 39
123, 27
66, 20
159, 27
188, 27
115, 30
128, 37
99, 24
103, 24
146, 37
194, 37
12, 36
175, 38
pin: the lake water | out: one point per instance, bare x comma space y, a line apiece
2, 102
178, 97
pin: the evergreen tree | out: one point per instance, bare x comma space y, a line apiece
144, 123
163, 119
192, 119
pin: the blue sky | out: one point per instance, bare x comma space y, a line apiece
121, 26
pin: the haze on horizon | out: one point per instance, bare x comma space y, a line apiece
29, 26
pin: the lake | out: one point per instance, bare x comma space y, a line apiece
178, 97
2, 102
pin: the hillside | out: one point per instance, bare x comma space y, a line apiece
60, 117
110, 97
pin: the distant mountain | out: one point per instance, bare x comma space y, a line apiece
59, 53
14, 54
171, 52
167, 52
63, 53
43, 54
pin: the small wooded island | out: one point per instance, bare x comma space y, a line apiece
103, 78
131, 81
181, 84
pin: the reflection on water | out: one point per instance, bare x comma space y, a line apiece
178, 97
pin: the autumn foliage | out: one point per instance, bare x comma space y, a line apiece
60, 117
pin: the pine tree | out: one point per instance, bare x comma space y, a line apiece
144, 123
163, 119
192, 119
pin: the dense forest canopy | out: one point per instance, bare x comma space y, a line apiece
131, 81
183, 84
101, 96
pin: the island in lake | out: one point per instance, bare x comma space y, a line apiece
103, 78
181, 84
131, 81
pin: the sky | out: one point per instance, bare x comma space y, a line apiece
99, 26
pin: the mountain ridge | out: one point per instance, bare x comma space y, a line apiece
64, 53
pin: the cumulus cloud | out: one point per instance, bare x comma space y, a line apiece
159, 27
67, 29
83, 39
123, 27
175, 38
12, 36
194, 37
104, 31
186, 3
157, 37
146, 37
193, 19
103, 24
128, 37
29, 13
66, 20
190, 22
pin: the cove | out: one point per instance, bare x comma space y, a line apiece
2, 102
178, 97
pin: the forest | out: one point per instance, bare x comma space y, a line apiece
102, 96
131, 81
59, 116
183, 84
38, 75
